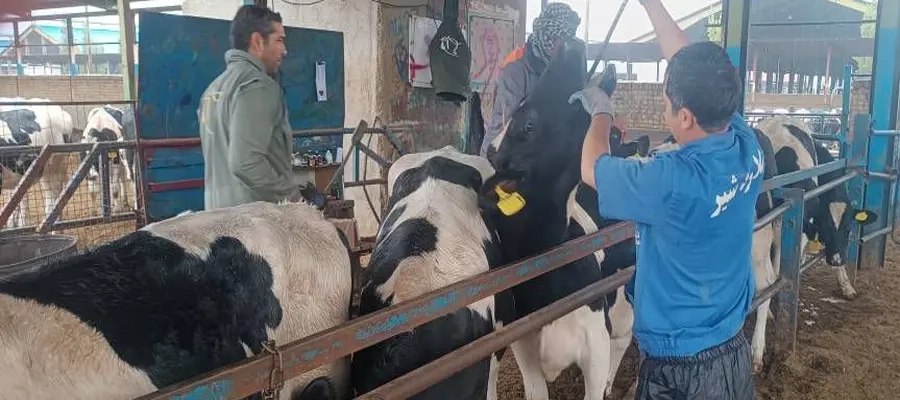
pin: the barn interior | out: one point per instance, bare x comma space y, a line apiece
359, 93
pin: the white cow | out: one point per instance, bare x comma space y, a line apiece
103, 127
35, 125
433, 236
176, 299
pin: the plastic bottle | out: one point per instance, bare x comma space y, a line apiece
328, 157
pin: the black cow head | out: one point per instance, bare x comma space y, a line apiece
540, 134
832, 217
539, 151
21, 122
116, 113
103, 135
313, 196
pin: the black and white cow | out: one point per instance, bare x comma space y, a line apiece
176, 299
538, 155
434, 235
102, 126
126, 120
829, 217
33, 125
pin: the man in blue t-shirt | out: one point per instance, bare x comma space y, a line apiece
694, 209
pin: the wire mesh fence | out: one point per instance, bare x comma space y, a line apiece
68, 168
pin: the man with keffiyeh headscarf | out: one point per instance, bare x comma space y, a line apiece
523, 67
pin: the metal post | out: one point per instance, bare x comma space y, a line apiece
788, 299
70, 45
105, 198
857, 157
846, 98
885, 81
126, 43
736, 21
17, 47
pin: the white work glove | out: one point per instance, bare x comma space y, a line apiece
595, 97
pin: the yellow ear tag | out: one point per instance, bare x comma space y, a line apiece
861, 216
814, 246
509, 203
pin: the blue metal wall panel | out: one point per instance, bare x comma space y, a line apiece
736, 21
885, 77
181, 55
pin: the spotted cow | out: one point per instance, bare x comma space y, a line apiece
38, 125
433, 236
176, 299
104, 127
828, 218
538, 155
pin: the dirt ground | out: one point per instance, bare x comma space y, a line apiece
845, 350
81, 205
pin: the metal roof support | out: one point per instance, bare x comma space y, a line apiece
736, 21
883, 108
126, 43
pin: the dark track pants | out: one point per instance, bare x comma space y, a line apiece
721, 373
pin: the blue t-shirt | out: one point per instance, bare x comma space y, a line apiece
694, 209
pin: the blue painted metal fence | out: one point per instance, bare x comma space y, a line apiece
885, 81
179, 57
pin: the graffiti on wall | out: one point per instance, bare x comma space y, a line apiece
421, 31
491, 40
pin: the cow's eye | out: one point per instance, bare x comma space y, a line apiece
529, 128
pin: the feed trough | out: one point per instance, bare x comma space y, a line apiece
20, 254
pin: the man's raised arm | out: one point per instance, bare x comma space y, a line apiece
671, 38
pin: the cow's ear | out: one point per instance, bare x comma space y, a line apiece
864, 217
500, 194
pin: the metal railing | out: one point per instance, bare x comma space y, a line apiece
252, 375
50, 221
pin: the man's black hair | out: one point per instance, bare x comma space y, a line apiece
702, 79
250, 19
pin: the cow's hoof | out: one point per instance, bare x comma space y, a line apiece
849, 293
757, 367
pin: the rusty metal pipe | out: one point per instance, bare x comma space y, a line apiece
63, 198
168, 143
67, 147
367, 182
769, 292
414, 382
812, 261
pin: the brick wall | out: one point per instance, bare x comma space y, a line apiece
63, 88
641, 104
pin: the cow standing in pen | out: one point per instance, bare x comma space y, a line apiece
34, 124
433, 236
103, 127
177, 299
827, 219
537, 157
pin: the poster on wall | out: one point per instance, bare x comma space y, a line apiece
491, 39
421, 30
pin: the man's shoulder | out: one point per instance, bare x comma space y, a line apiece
243, 79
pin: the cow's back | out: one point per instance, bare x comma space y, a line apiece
310, 262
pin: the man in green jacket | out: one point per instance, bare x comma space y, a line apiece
244, 128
